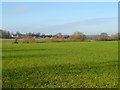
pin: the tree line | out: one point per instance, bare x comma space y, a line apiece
76, 36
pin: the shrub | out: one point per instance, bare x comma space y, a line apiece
56, 39
28, 40
47, 39
16, 41
78, 36
71, 39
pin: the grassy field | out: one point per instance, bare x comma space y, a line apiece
65, 65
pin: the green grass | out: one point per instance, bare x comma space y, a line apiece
65, 65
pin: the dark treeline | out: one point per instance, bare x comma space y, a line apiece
7, 35
76, 36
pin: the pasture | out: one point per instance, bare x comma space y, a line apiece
60, 65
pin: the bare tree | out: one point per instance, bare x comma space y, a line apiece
59, 35
103, 36
79, 36
4, 34
114, 37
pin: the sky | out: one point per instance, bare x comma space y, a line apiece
63, 17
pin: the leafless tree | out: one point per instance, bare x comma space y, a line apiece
79, 36
103, 36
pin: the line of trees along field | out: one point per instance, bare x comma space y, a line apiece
59, 37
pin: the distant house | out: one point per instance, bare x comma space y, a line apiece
14, 36
66, 36
18, 35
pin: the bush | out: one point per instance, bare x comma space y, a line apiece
28, 40
71, 39
77, 36
55, 39
16, 41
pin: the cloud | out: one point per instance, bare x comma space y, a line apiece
21, 9
89, 25
60, 1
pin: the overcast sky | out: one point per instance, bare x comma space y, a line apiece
64, 17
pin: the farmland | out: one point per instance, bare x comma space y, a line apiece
60, 65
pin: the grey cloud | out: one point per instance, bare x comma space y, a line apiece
80, 25
86, 26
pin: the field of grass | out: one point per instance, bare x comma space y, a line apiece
60, 65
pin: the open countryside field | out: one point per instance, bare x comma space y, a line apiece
64, 64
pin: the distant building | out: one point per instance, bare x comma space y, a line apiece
14, 36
